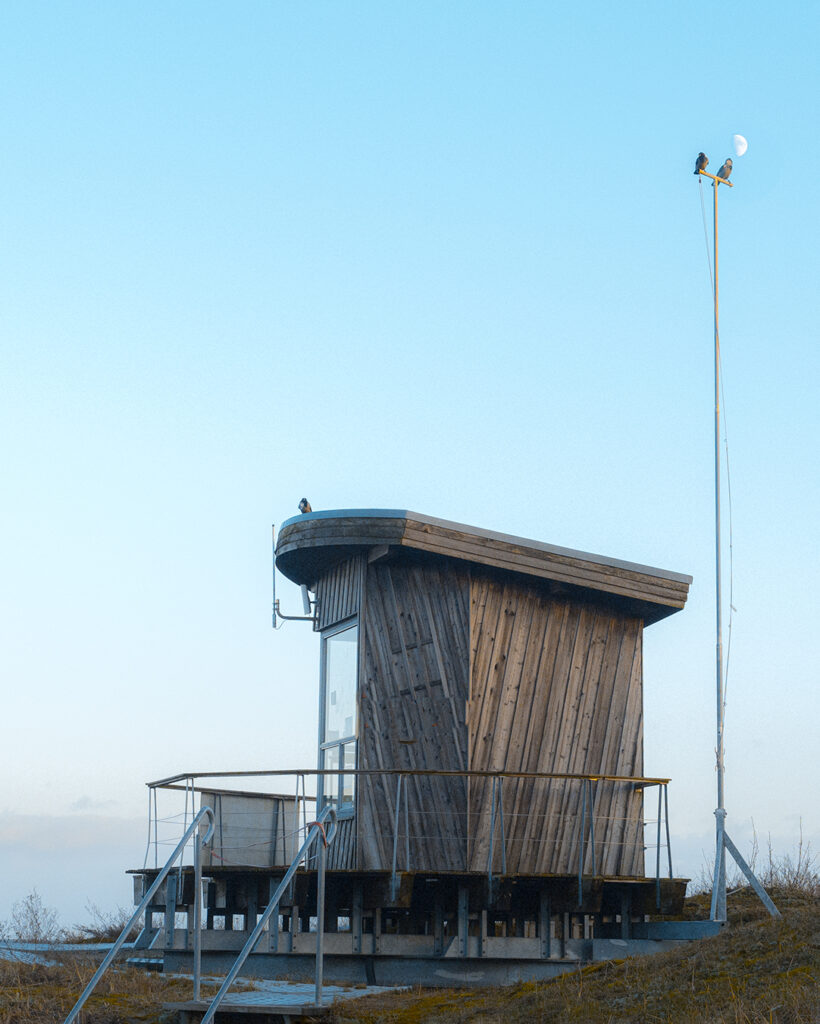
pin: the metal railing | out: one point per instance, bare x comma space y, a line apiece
172, 824
587, 834
317, 830
199, 842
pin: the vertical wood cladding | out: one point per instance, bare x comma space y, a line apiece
463, 669
556, 686
338, 592
341, 854
413, 689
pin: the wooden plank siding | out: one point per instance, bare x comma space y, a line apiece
341, 854
412, 693
485, 651
339, 592
555, 686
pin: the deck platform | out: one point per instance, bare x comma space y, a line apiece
432, 929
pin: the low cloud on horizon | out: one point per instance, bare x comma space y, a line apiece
72, 860
85, 803
81, 831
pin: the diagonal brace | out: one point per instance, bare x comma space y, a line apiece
765, 898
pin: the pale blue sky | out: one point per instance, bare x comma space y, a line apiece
439, 256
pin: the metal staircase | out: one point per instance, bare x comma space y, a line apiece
192, 832
201, 1010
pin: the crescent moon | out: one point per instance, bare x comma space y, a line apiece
740, 145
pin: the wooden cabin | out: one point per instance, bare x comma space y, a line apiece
481, 739
449, 648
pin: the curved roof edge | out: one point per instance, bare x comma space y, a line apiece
310, 544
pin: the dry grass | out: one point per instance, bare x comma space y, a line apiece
757, 971
36, 994
102, 926
754, 972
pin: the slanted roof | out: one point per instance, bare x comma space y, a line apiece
310, 544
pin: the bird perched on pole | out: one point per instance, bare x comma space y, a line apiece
726, 169
701, 162
304, 506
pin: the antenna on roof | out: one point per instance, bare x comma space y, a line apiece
273, 574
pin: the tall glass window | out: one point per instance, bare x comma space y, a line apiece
340, 657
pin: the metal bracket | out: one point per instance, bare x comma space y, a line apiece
277, 614
294, 618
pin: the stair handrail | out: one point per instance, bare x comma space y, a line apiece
317, 830
200, 841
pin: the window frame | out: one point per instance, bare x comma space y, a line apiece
328, 791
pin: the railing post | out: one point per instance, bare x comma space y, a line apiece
148, 844
406, 830
581, 831
492, 837
501, 823
320, 916
658, 854
393, 885
197, 914
497, 798
592, 825
304, 802
156, 840
184, 829
666, 819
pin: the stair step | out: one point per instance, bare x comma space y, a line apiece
147, 963
256, 1011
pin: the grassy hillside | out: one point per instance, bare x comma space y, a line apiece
757, 970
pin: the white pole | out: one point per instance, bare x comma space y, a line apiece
718, 910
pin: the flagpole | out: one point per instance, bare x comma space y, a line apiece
718, 909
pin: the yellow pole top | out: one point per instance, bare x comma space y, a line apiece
720, 181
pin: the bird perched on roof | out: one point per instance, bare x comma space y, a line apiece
304, 506
726, 169
701, 162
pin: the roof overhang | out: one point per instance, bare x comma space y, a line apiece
308, 545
